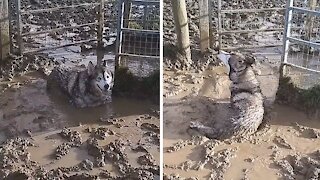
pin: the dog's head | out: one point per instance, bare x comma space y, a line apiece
236, 62
101, 78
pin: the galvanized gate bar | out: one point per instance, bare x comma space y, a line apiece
57, 8
144, 2
56, 47
300, 41
252, 46
57, 29
139, 30
303, 10
301, 67
287, 33
248, 31
119, 32
251, 10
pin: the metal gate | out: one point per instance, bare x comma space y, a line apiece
247, 24
138, 32
44, 25
301, 48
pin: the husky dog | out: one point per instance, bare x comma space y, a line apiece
247, 108
86, 87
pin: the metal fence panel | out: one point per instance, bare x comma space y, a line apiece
302, 36
247, 24
138, 29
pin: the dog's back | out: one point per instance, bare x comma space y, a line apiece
85, 87
64, 77
246, 101
247, 109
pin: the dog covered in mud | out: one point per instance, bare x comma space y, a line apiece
87, 87
247, 109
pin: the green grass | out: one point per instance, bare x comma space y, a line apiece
304, 99
170, 51
126, 84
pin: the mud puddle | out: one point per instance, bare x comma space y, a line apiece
286, 148
117, 140
27, 105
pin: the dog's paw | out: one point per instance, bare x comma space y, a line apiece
197, 128
195, 125
193, 129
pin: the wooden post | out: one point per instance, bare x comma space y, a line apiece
145, 14
219, 25
101, 24
182, 27
204, 25
4, 30
126, 14
19, 27
211, 39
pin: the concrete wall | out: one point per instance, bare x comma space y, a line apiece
4, 30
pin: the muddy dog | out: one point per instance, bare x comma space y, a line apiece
247, 102
87, 87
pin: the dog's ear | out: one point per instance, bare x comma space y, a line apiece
250, 59
112, 74
90, 68
104, 63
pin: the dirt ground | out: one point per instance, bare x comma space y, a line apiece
107, 142
287, 147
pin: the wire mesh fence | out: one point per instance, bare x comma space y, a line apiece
136, 43
302, 45
138, 29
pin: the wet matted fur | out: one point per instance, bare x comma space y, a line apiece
247, 110
86, 87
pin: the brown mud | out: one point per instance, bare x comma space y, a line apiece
285, 147
32, 122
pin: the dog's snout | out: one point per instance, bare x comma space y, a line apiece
106, 86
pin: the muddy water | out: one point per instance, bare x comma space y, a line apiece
200, 97
27, 109
27, 105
